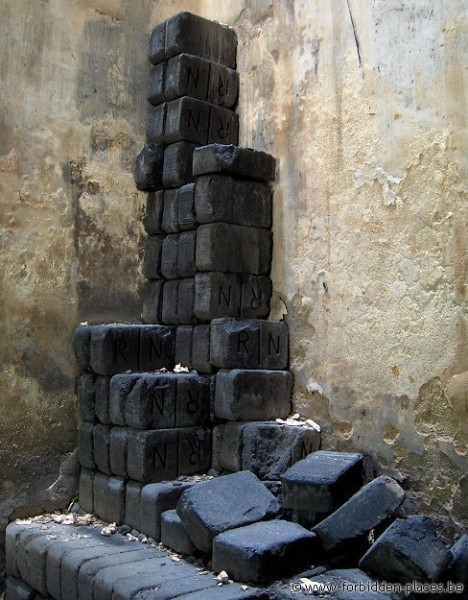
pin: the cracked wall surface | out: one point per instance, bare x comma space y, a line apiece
364, 105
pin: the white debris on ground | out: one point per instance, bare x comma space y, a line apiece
223, 578
109, 530
298, 421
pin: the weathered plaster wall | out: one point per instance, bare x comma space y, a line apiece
364, 104
72, 114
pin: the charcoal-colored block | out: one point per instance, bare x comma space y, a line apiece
152, 221
157, 498
191, 34
82, 344
221, 198
249, 344
186, 207
85, 491
322, 481
223, 126
265, 551
151, 296
253, 196
102, 399
256, 296
157, 455
193, 400
157, 348
12, 536
251, 395
233, 249
132, 504
156, 85
223, 87
187, 75
16, 589
157, 124
266, 448
230, 447
169, 256
173, 534
201, 349
186, 254
215, 199
120, 387
217, 435
118, 451
114, 348
217, 295
39, 565
271, 448
194, 446
408, 551
170, 218
151, 404
169, 312
152, 455
115, 500
157, 49
234, 160
164, 580
345, 531
86, 396
188, 119
149, 168
177, 168
86, 445
184, 345
108, 580
101, 440
100, 494
151, 267
145, 582
23, 560
72, 547
33, 567
224, 503
87, 573
186, 302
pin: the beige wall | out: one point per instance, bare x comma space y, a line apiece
363, 104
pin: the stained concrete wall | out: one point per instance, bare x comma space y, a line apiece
364, 105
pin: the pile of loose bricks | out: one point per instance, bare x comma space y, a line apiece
198, 388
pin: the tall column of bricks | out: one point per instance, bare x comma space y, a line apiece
204, 303
141, 425
209, 248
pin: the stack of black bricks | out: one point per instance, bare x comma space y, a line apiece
209, 247
205, 302
141, 422
208, 250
